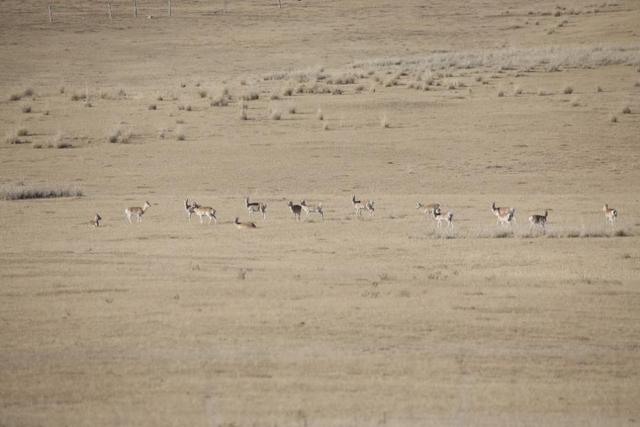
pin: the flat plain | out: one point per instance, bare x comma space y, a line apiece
346, 321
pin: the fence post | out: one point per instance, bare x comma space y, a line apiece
50, 7
169, 7
135, 8
109, 9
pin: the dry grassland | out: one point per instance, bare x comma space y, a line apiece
378, 320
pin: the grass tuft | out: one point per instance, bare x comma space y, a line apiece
22, 192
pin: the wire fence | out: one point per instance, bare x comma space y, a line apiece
114, 9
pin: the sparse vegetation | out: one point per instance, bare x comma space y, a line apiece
78, 97
598, 89
291, 109
275, 114
23, 192
202, 93
613, 118
568, 90
500, 93
16, 137
180, 134
517, 90
119, 135
222, 100
384, 121
626, 110
152, 107
319, 114
251, 95
244, 111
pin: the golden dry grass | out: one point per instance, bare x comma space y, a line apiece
382, 320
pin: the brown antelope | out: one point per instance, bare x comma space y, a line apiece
610, 214
201, 211
359, 206
244, 225
312, 209
96, 220
256, 207
137, 211
296, 210
538, 221
504, 215
429, 209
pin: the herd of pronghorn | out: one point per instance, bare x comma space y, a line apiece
505, 216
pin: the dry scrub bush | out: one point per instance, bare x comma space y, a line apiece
626, 110
180, 134
119, 135
384, 121
275, 114
568, 90
243, 111
22, 192
251, 95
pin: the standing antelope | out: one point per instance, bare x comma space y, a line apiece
539, 221
429, 209
96, 220
201, 211
440, 217
504, 215
244, 225
256, 207
296, 210
312, 209
137, 211
610, 214
360, 206
189, 207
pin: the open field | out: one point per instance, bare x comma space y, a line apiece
382, 320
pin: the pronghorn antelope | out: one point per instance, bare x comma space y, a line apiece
137, 211
312, 209
201, 211
504, 215
506, 218
243, 225
296, 210
189, 207
440, 217
256, 207
430, 209
96, 220
538, 220
359, 206
610, 214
